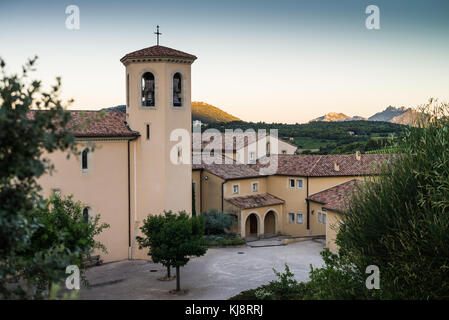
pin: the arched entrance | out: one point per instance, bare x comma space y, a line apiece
251, 227
269, 223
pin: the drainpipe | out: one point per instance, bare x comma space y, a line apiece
308, 206
136, 223
222, 195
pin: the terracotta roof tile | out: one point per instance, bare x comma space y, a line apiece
324, 165
336, 198
98, 124
255, 201
158, 52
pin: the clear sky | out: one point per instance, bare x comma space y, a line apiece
273, 61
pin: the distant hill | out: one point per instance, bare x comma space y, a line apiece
399, 115
408, 117
208, 113
332, 116
388, 114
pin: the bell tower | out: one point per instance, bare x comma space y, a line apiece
158, 101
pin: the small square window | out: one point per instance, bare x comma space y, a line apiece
299, 183
291, 217
291, 183
235, 189
299, 218
284, 151
255, 186
252, 156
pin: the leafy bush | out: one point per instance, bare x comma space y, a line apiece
63, 238
222, 240
216, 222
400, 221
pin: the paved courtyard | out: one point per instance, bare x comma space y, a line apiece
220, 274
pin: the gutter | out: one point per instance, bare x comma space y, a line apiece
129, 194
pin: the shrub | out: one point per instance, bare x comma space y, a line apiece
216, 222
400, 221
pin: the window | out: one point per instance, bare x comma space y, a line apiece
299, 183
299, 218
255, 186
148, 131
252, 156
291, 217
84, 163
319, 216
177, 92
324, 218
86, 214
147, 85
268, 148
291, 183
235, 189
284, 151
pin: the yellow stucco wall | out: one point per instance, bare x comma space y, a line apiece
211, 191
261, 215
294, 203
103, 188
245, 187
333, 223
316, 227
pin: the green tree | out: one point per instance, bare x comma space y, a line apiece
172, 239
32, 124
64, 237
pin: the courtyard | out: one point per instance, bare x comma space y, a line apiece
220, 274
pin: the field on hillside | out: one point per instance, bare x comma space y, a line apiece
327, 137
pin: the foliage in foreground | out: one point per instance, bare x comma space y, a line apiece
64, 237
34, 245
398, 222
172, 239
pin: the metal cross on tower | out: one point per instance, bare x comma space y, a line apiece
157, 33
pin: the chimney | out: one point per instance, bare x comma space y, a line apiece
358, 156
336, 167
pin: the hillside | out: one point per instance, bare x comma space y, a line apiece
399, 115
388, 114
408, 117
332, 116
208, 113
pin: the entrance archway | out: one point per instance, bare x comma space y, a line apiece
252, 225
270, 223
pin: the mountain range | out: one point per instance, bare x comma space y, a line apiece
400, 115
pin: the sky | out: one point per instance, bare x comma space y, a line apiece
273, 61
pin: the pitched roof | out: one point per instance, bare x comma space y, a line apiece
325, 165
228, 142
255, 201
100, 123
158, 52
337, 197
